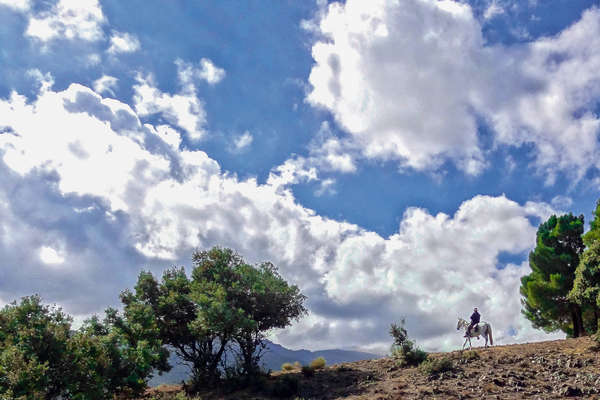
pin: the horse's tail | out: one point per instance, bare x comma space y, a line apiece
490, 334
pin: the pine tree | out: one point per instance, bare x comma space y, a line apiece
553, 263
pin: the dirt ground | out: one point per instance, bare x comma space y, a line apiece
543, 370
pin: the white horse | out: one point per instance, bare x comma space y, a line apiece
482, 328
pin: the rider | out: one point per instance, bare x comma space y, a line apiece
474, 321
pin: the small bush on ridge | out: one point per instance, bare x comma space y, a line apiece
434, 366
470, 355
287, 366
318, 363
404, 350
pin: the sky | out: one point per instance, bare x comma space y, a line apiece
392, 158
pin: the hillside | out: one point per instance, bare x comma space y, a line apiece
544, 370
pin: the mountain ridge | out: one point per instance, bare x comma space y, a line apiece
274, 356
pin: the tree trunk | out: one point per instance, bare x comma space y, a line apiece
577, 319
575, 323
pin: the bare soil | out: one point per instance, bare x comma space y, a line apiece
545, 370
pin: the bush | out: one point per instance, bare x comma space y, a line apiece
434, 366
318, 363
308, 371
470, 355
404, 351
297, 365
285, 386
287, 366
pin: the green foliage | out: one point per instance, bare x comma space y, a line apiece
41, 357
117, 355
593, 235
318, 363
470, 355
33, 344
434, 366
287, 366
404, 350
308, 371
586, 287
225, 301
553, 263
297, 365
285, 386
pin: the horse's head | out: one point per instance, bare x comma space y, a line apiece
460, 323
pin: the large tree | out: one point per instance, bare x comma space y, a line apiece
593, 234
586, 287
269, 302
553, 262
225, 301
41, 357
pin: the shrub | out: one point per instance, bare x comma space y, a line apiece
285, 386
318, 363
404, 351
308, 371
287, 366
297, 365
470, 355
434, 366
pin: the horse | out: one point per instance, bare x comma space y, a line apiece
483, 328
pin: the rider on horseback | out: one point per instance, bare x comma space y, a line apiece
474, 321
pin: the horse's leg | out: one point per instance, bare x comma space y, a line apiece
465, 343
470, 345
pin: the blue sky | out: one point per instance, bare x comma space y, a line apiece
392, 158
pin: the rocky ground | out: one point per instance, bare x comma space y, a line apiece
544, 370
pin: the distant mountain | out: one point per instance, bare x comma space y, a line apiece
274, 356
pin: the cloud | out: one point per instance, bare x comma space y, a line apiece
19, 5
413, 81
493, 10
123, 42
561, 202
50, 256
326, 154
242, 142
183, 109
105, 84
68, 19
209, 72
90, 194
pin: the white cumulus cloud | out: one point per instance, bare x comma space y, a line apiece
106, 84
123, 42
242, 142
69, 19
412, 81
118, 195
19, 5
183, 109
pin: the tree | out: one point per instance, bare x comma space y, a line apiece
586, 287
42, 358
33, 343
269, 302
593, 234
117, 355
225, 301
553, 263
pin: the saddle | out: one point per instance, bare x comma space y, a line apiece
473, 329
